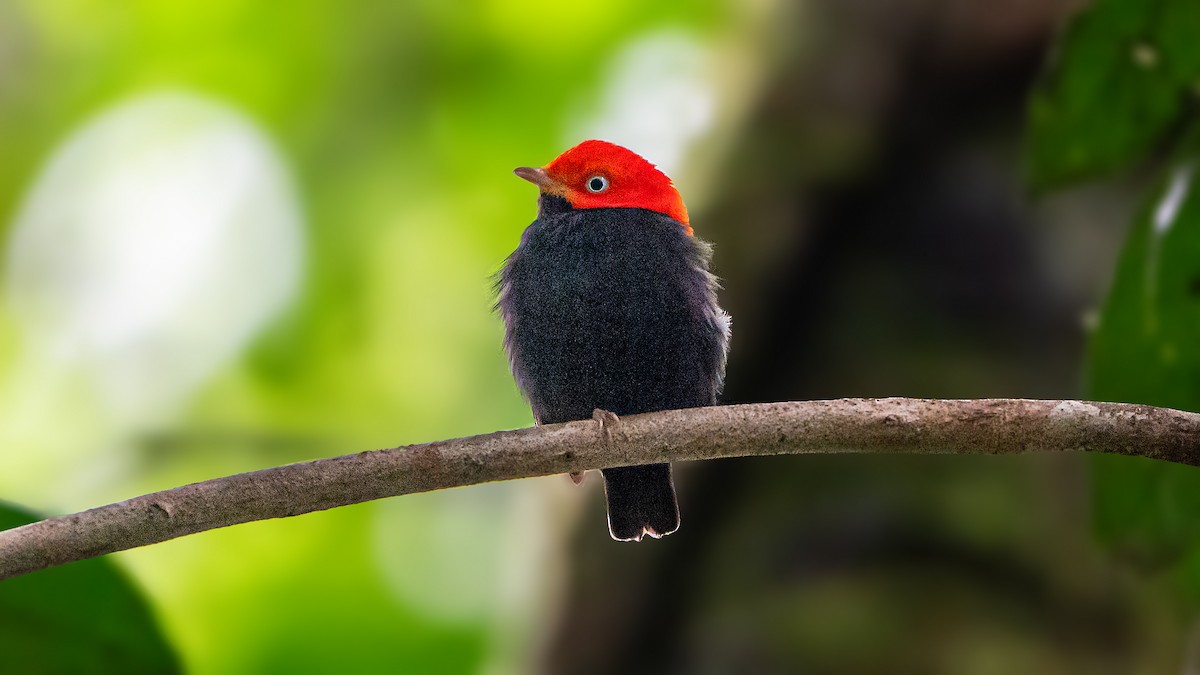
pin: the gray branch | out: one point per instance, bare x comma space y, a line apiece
893, 425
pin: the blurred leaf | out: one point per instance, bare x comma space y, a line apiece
83, 618
1147, 350
1121, 80
1148, 511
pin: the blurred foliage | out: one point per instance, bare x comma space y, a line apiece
1123, 89
1126, 75
399, 124
1144, 351
83, 618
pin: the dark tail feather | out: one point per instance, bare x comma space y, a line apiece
641, 500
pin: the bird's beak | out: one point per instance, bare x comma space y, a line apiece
540, 178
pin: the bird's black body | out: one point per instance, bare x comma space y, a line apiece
614, 308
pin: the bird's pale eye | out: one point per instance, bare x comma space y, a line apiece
597, 184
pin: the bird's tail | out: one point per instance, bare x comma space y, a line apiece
641, 500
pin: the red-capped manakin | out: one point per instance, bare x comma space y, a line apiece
608, 304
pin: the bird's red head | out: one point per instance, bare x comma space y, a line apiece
599, 174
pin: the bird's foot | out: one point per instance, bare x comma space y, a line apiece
607, 421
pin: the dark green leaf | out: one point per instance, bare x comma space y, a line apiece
1126, 74
1147, 350
86, 617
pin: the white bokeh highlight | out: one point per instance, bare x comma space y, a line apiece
1167, 209
158, 241
657, 97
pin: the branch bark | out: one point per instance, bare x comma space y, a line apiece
893, 425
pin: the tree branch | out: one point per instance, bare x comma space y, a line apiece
893, 425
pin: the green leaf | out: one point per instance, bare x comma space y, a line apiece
1147, 350
86, 617
1126, 74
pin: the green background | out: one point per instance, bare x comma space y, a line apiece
378, 140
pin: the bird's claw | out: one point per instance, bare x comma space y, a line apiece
607, 421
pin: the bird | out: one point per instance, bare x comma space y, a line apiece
609, 309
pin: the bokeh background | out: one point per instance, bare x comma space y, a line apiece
237, 234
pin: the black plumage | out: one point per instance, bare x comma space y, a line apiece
615, 309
